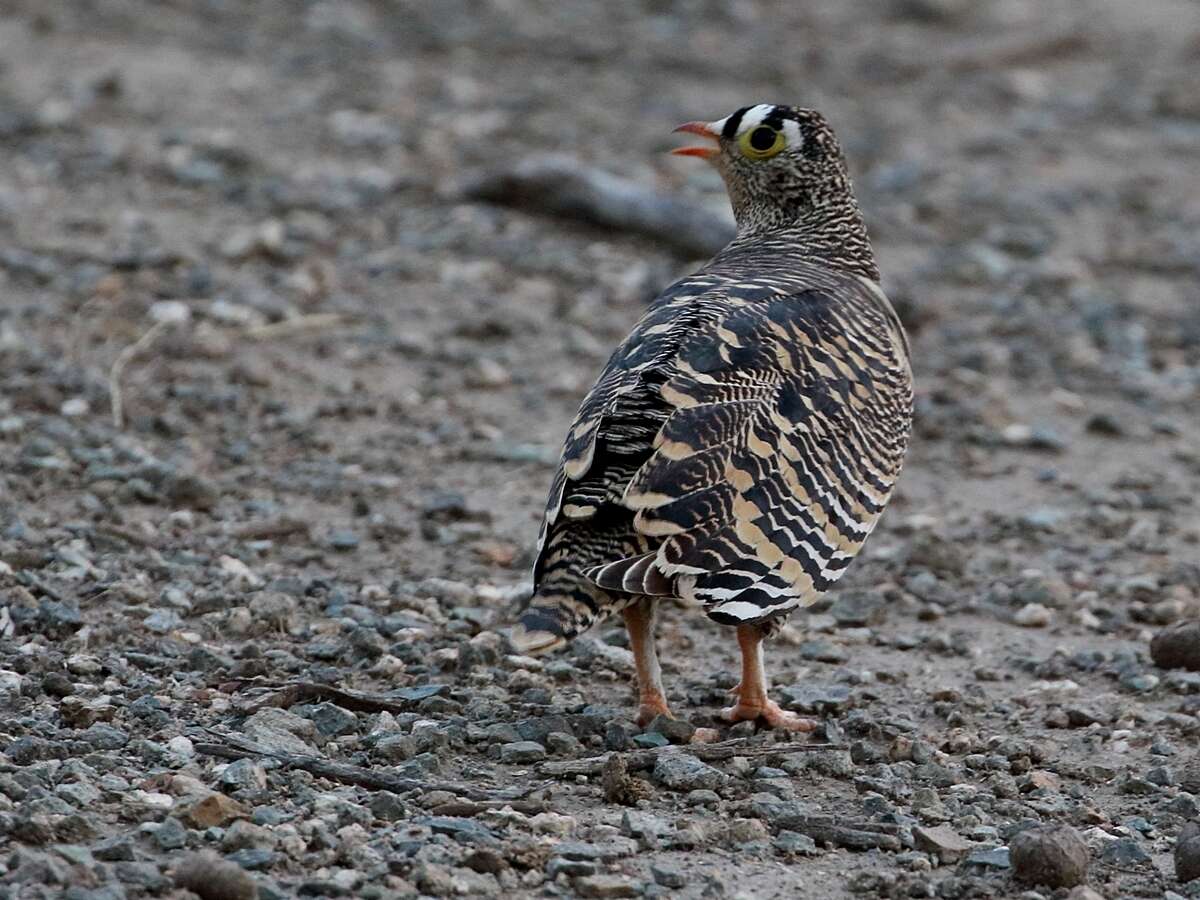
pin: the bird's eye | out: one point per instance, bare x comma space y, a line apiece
761, 142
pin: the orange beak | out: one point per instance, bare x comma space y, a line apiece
704, 129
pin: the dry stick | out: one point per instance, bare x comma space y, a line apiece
356, 701
645, 759
372, 779
124, 358
564, 186
296, 325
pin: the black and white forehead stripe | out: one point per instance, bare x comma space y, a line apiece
779, 118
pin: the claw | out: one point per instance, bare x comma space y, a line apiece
771, 713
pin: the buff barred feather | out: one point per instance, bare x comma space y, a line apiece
741, 443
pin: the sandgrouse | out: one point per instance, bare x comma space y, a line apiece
742, 442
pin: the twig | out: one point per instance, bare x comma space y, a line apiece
372, 779
357, 701
853, 836
645, 759
561, 185
272, 528
296, 325
124, 358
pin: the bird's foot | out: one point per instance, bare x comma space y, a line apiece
651, 708
770, 712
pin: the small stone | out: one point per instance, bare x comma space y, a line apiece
343, 541
677, 731
650, 740
1083, 892
215, 810
678, 771
1053, 855
601, 886
1187, 852
171, 835
1177, 647
942, 841
667, 876
522, 752
809, 697
1032, 615
331, 720
1124, 852
793, 843
993, 858
212, 878
387, 807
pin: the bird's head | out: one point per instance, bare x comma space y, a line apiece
782, 165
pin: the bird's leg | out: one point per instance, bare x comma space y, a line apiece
752, 702
639, 620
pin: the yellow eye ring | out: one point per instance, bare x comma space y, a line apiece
754, 143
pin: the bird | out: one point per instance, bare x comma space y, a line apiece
741, 443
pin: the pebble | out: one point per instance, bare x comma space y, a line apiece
680, 771
1187, 852
601, 886
522, 752
1053, 855
943, 842
1033, 615
212, 878
1177, 647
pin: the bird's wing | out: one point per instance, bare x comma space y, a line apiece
787, 424
614, 431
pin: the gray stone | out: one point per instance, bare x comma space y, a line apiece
942, 841
793, 843
331, 720
680, 771
1187, 852
171, 834
521, 752
1124, 852
667, 876
106, 737
809, 697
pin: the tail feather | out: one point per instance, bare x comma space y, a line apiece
556, 614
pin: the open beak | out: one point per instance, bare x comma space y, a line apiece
703, 129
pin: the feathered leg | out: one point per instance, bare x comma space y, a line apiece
639, 620
752, 702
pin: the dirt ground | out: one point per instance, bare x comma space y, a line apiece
343, 388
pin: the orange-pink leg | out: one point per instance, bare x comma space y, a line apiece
752, 702
639, 620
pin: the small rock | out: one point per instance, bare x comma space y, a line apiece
667, 876
522, 752
215, 810
1187, 852
606, 886
212, 878
684, 772
942, 841
1032, 615
677, 731
1177, 647
1053, 855
1124, 852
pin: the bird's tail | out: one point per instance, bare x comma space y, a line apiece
558, 611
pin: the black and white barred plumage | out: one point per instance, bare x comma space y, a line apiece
742, 442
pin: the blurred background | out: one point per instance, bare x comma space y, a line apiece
259, 331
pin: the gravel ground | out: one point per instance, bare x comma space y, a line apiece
248, 639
